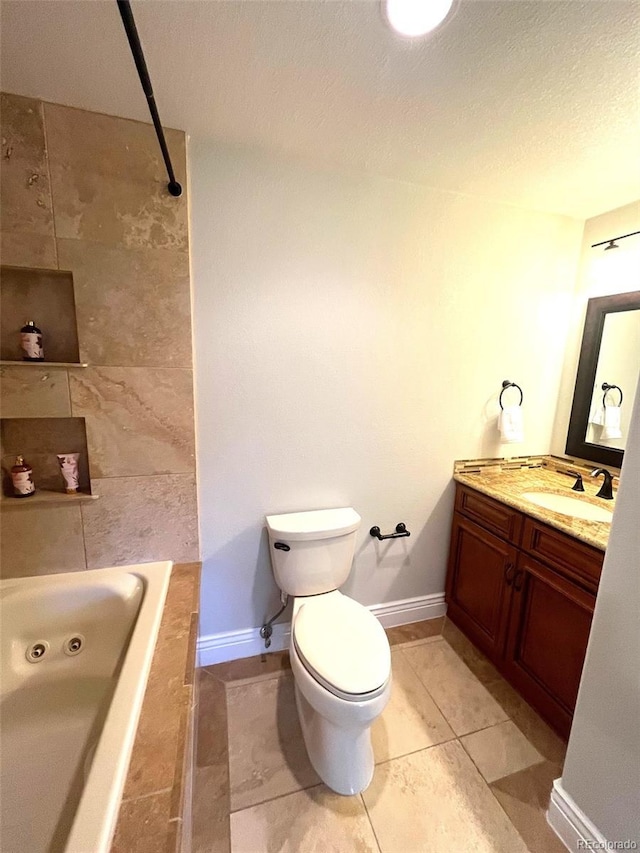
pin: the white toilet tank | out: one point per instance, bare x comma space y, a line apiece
312, 552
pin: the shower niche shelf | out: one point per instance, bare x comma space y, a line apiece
46, 297
49, 497
61, 365
39, 440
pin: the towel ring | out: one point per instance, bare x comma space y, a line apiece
508, 384
606, 388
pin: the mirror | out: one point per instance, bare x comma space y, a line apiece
607, 378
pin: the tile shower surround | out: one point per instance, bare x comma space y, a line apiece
86, 193
462, 762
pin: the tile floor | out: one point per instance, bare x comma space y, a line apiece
462, 762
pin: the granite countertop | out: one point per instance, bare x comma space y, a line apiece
508, 484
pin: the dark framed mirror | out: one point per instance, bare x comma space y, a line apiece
607, 377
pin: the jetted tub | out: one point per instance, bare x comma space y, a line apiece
76, 654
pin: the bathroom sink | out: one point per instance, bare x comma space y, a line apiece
577, 507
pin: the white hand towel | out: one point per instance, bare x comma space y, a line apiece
611, 428
510, 425
596, 415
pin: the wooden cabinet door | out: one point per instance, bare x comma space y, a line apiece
547, 637
481, 568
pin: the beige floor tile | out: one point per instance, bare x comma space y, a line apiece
267, 755
247, 669
414, 631
411, 721
477, 662
500, 751
210, 810
465, 703
525, 797
312, 821
212, 746
534, 728
436, 801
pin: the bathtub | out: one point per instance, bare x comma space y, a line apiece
76, 654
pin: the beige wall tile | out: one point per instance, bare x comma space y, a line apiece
141, 519
436, 800
465, 703
133, 305
40, 540
306, 822
26, 194
500, 751
267, 755
28, 250
139, 419
34, 392
143, 826
109, 183
411, 721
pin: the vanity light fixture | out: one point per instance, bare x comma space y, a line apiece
415, 18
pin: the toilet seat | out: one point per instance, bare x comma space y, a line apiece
342, 646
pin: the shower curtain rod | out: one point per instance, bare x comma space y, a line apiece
138, 57
613, 239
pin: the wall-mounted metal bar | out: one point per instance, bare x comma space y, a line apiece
613, 240
138, 57
401, 530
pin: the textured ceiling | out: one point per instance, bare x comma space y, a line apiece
534, 103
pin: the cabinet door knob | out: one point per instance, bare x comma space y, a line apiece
517, 580
508, 574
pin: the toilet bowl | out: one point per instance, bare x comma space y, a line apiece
340, 656
341, 664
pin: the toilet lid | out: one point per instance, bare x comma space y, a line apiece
342, 644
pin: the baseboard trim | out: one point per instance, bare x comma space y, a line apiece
217, 648
571, 824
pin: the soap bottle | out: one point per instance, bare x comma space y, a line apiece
22, 478
31, 342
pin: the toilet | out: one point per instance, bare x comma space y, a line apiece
339, 652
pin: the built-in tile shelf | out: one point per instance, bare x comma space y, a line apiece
47, 297
48, 496
58, 364
38, 441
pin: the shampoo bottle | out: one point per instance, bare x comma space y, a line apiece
31, 342
22, 477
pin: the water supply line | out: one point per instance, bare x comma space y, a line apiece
143, 73
267, 629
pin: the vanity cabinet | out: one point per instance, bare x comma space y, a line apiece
524, 594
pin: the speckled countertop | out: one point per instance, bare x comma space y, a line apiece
507, 482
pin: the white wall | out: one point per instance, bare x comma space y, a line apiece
351, 337
600, 274
602, 768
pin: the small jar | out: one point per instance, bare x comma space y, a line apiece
22, 478
31, 342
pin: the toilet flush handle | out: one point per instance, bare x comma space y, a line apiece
281, 546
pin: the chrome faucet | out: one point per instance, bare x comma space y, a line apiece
606, 490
